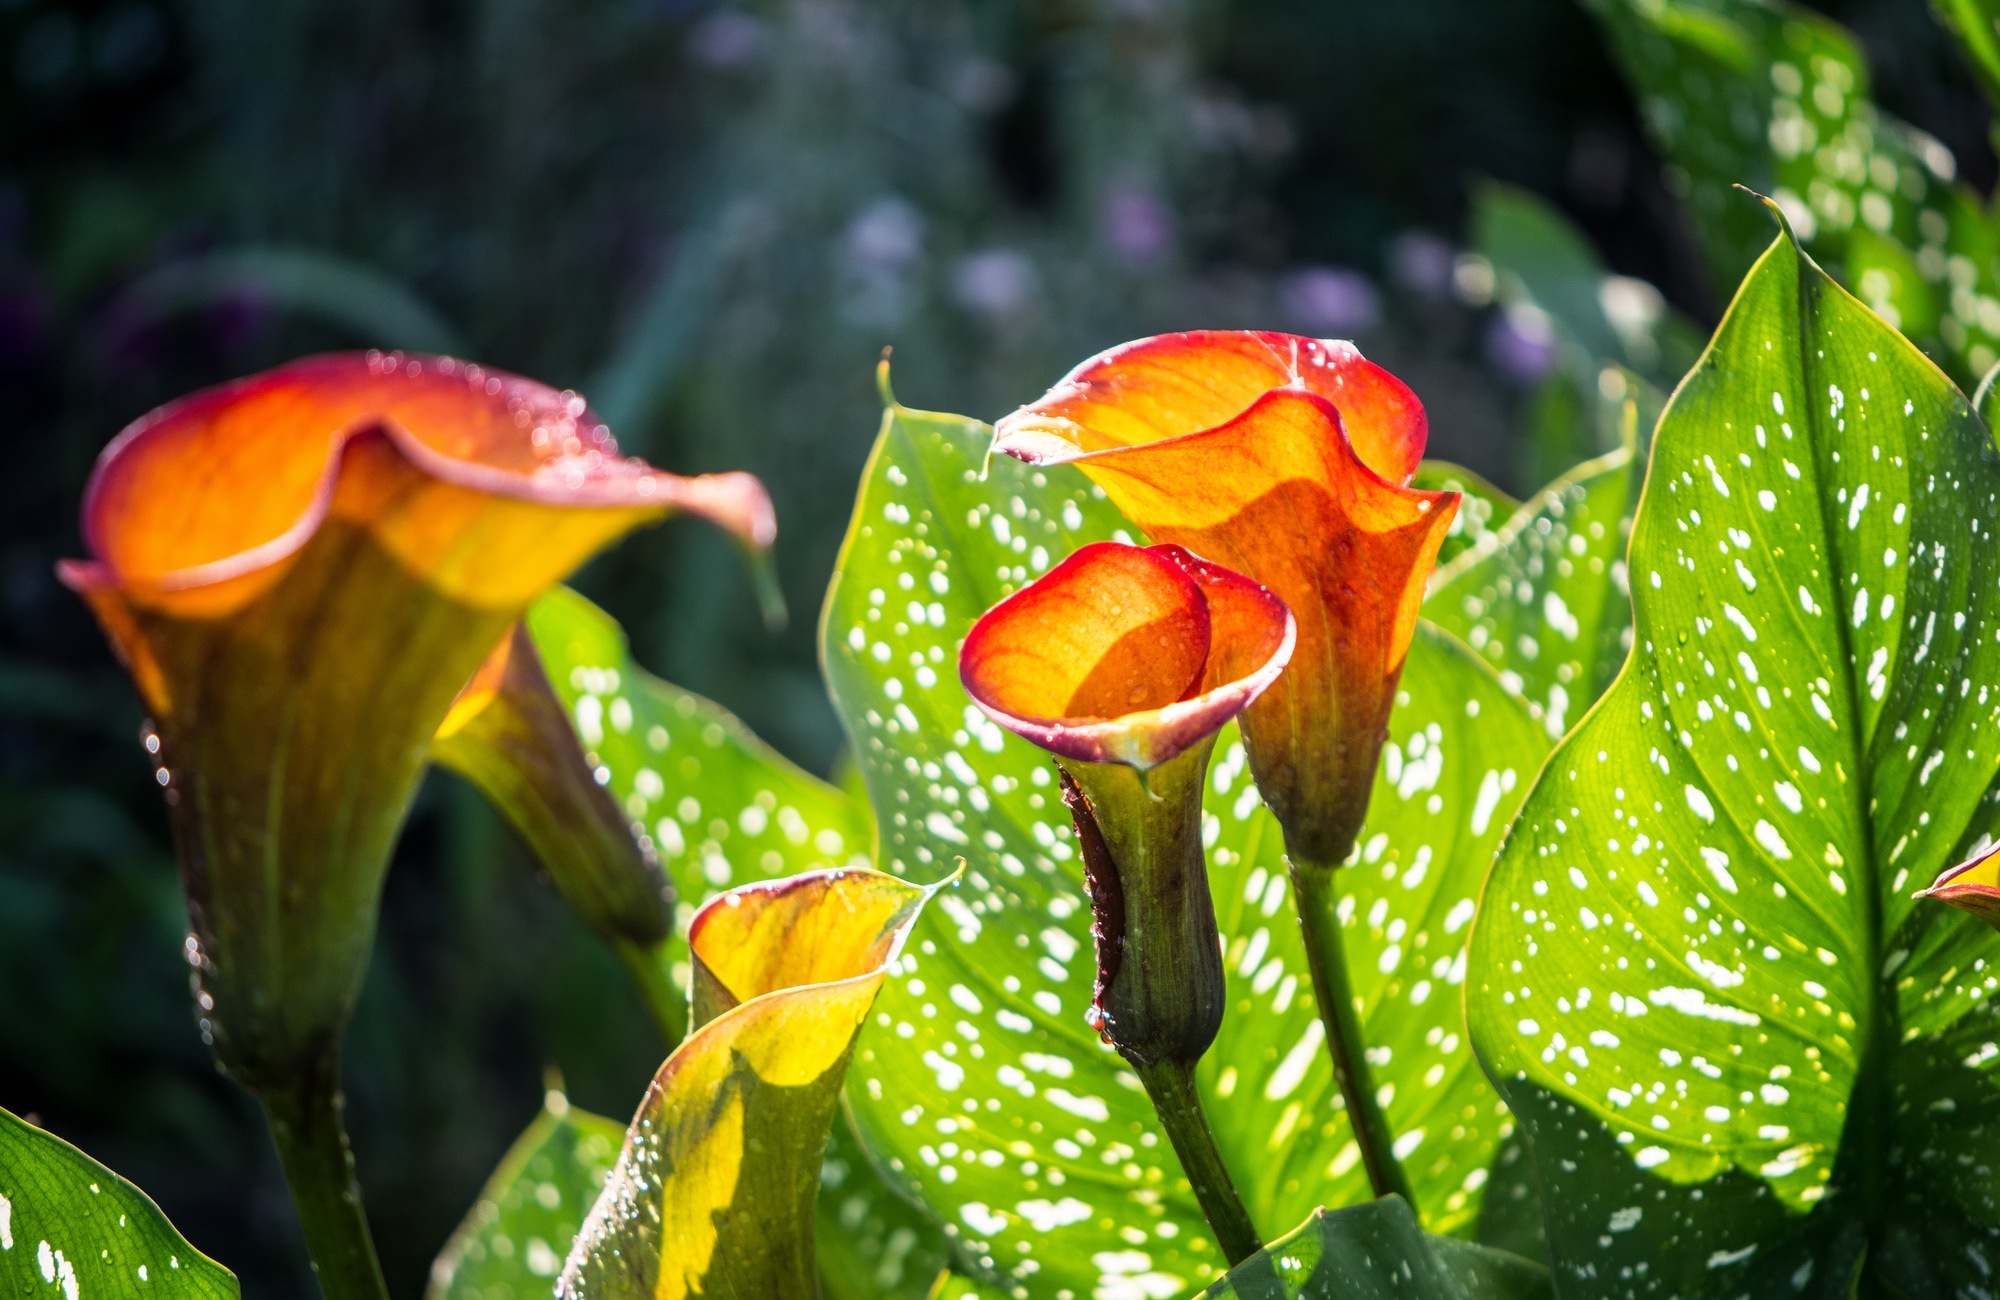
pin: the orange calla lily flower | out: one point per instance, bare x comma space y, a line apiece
1971, 886
1124, 662
1287, 459
301, 569
1126, 654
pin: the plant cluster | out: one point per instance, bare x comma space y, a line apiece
1274, 867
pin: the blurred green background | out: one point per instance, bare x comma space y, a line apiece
711, 218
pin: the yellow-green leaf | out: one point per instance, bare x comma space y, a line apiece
714, 1191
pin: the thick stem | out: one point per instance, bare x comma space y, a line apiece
1171, 1086
650, 971
312, 1145
1313, 884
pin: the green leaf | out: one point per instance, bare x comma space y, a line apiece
979, 1083
512, 1245
1976, 23
719, 807
1483, 508
1745, 1056
1770, 95
717, 804
70, 1227
871, 1244
1544, 598
1377, 1251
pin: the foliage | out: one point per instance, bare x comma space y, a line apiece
1377, 1252
91, 1231
1748, 1040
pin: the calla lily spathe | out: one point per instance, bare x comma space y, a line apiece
1124, 662
1126, 654
1286, 459
301, 569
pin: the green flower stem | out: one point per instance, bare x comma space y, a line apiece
1171, 1086
650, 970
1313, 883
312, 1145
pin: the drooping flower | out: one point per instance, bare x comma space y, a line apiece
1286, 459
301, 569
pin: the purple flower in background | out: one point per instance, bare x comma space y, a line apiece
1137, 224
1521, 344
1332, 300
880, 252
1422, 263
995, 282
727, 39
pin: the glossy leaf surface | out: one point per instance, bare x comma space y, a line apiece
714, 1191
718, 805
1544, 597
1772, 96
1481, 508
978, 1081
1748, 1059
512, 1245
70, 1227
1377, 1251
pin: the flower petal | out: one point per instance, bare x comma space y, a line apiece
713, 1193
1171, 385
301, 570
1113, 655
1280, 495
171, 506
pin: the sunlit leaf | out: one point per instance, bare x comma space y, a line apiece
69, 1227
1773, 96
1377, 1251
1544, 597
1748, 1059
511, 1246
719, 807
978, 1081
714, 1191
1482, 507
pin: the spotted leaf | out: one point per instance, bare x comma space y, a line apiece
714, 1190
1481, 508
978, 1082
70, 1227
1544, 597
1377, 1251
1770, 95
512, 1244
1749, 1061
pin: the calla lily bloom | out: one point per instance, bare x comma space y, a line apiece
1124, 662
713, 1192
1126, 654
301, 569
1972, 886
1286, 459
